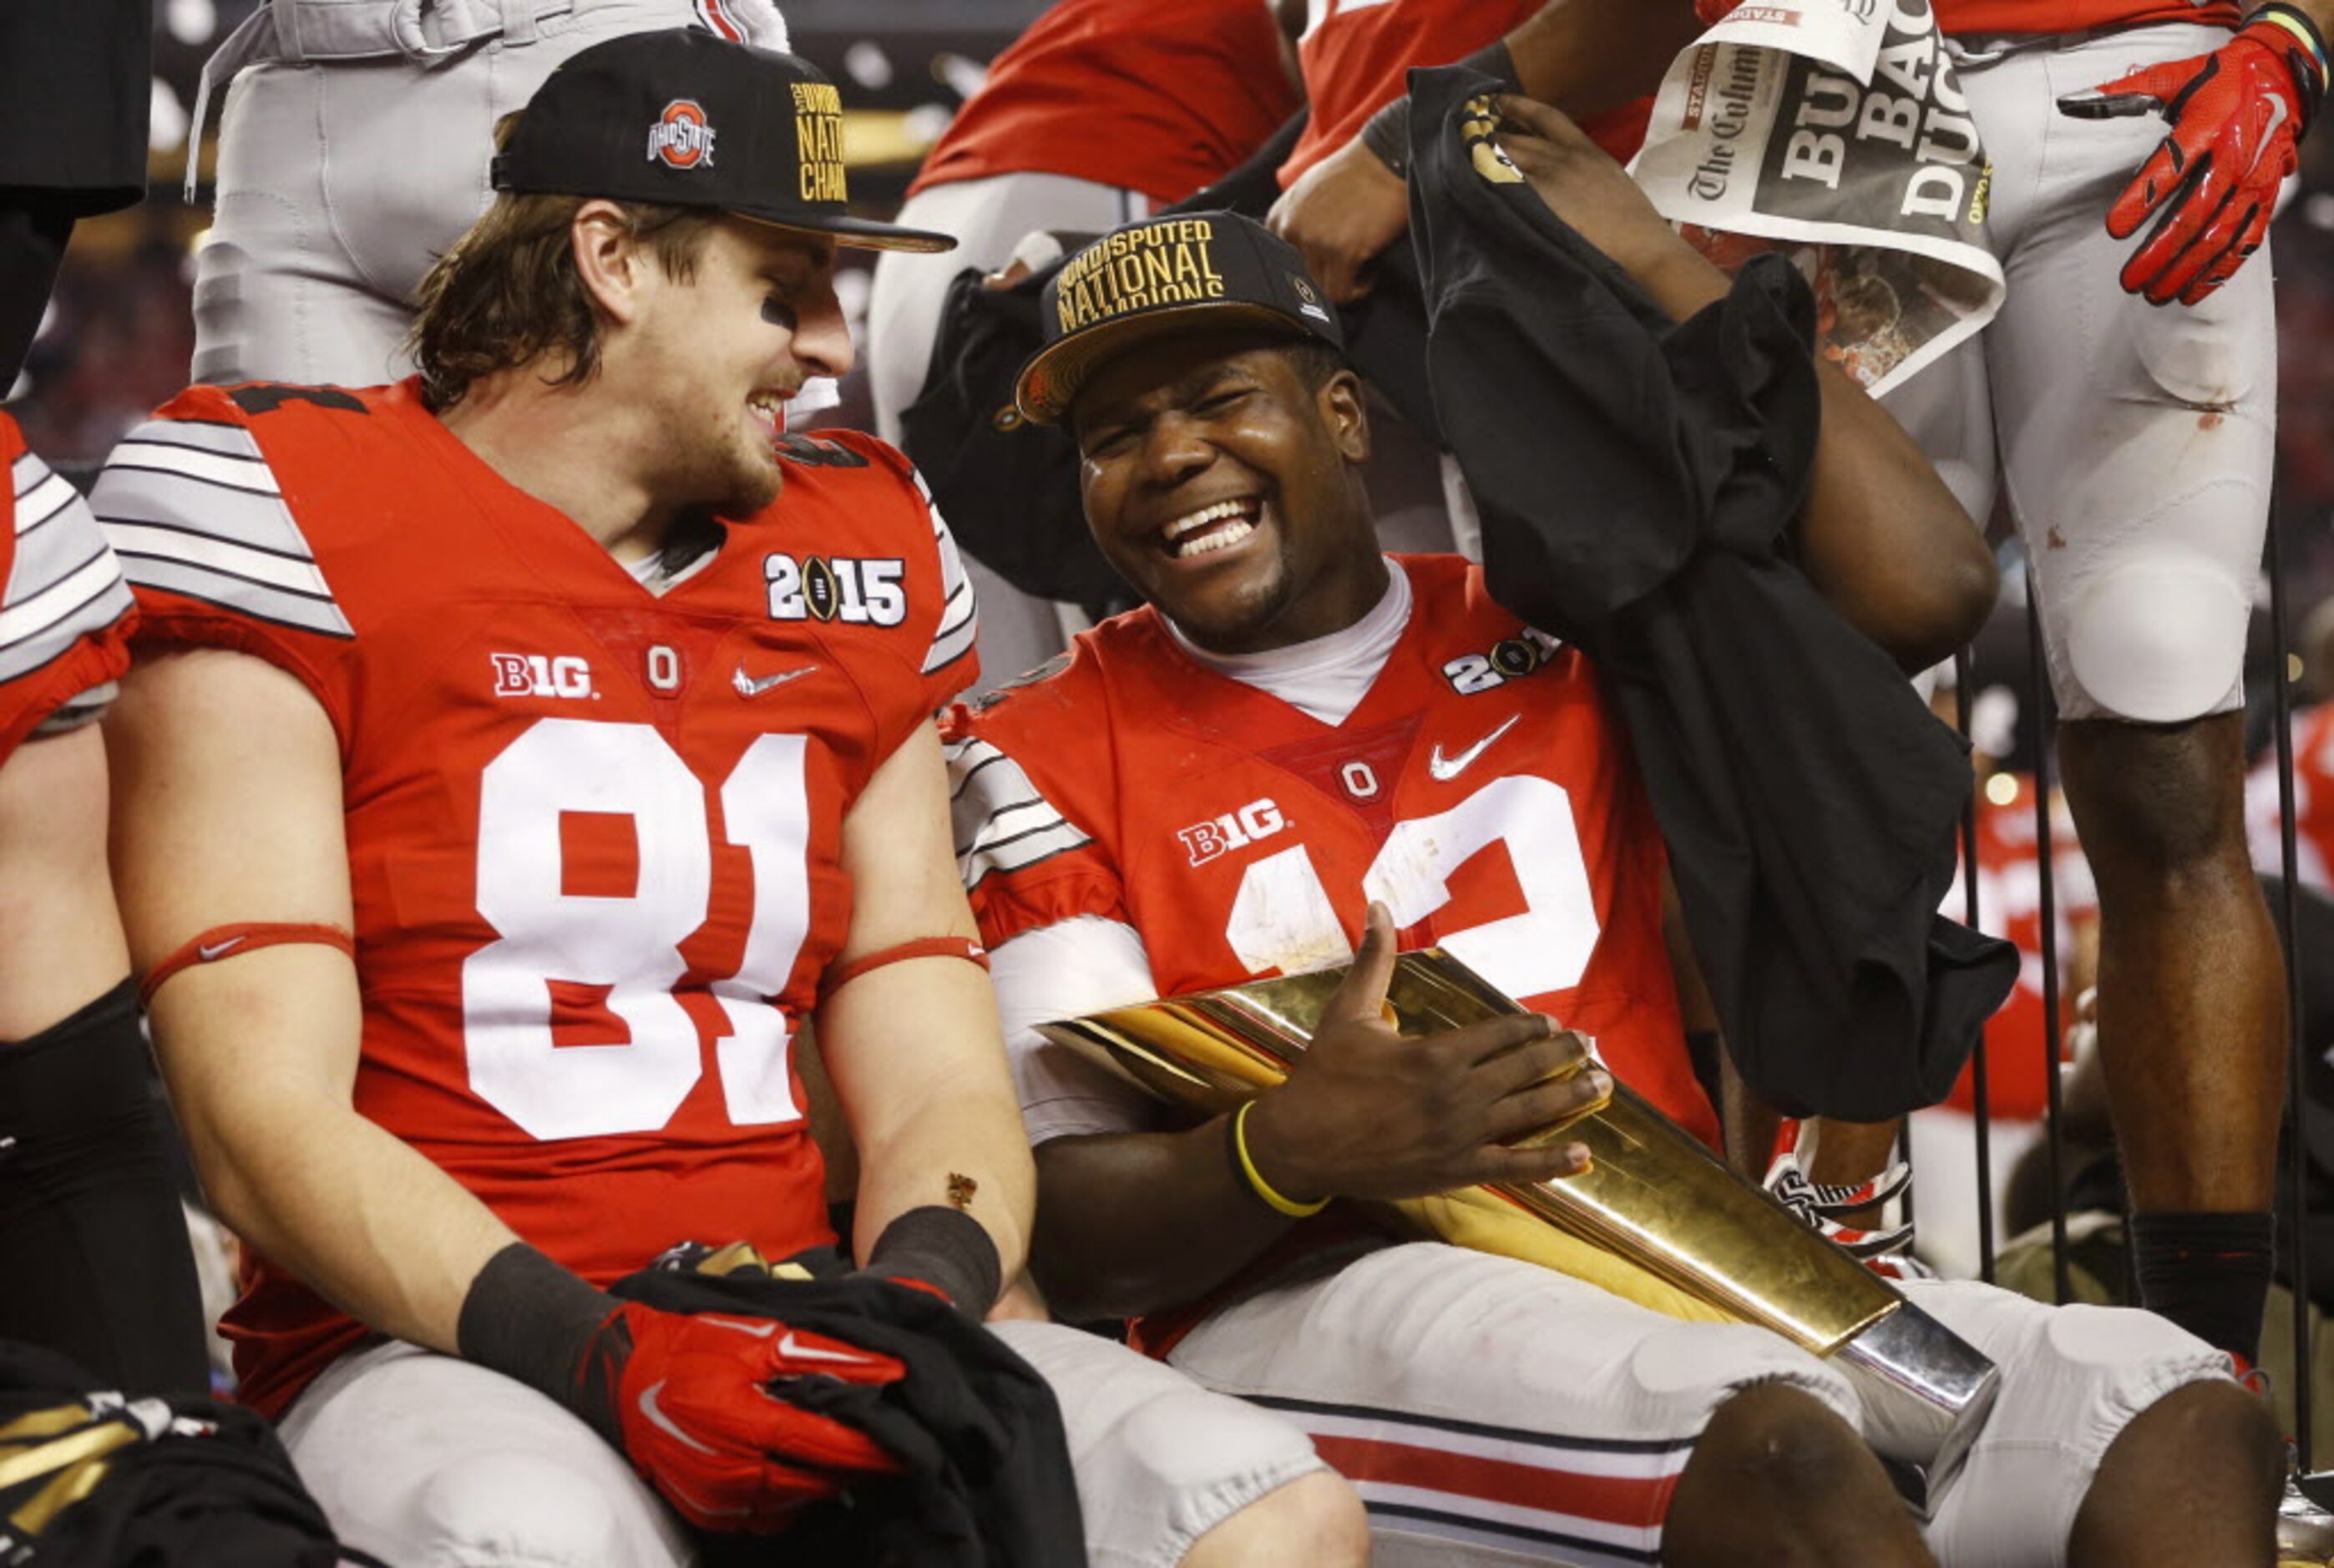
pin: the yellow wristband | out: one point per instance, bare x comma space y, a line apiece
1257, 1183
2276, 17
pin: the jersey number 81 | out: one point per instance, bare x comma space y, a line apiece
630, 944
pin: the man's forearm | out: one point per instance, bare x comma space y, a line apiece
362, 1217
934, 1116
1135, 1222
1588, 56
965, 1152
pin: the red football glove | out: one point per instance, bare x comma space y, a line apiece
692, 1415
2235, 115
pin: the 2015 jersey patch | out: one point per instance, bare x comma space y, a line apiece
856, 591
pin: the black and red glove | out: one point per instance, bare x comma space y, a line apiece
692, 1411
688, 1398
2236, 116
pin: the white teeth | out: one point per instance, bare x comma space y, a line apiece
1222, 540
1192, 520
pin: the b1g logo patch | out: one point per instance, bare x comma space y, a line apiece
1203, 842
855, 591
681, 138
1511, 658
541, 675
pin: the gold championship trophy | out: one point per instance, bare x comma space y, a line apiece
1656, 1219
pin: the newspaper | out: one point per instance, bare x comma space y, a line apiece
1834, 131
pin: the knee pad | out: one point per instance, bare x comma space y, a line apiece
2158, 641
516, 1507
1191, 1436
2105, 1365
1717, 1360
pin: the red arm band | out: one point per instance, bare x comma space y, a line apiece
838, 975
234, 941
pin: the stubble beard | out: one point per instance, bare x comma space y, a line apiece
726, 478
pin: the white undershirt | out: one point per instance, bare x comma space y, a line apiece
1326, 677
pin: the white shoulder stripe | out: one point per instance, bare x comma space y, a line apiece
259, 601
960, 622
1019, 851
53, 605
220, 435
242, 473
150, 543
1001, 821
952, 645
240, 516
46, 499
194, 509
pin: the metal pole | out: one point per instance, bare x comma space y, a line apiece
2046, 732
2296, 1172
1963, 673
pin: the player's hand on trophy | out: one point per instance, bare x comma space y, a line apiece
1591, 193
2211, 185
1339, 215
1369, 1113
698, 1404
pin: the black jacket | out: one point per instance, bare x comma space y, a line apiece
1635, 477
181, 1483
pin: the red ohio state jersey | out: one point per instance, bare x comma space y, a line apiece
65, 612
1129, 93
593, 830
1356, 56
1480, 790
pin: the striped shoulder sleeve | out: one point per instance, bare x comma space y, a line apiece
959, 627
63, 607
196, 514
1025, 862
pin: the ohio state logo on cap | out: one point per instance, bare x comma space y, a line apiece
681, 138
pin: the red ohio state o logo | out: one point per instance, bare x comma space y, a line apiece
681, 138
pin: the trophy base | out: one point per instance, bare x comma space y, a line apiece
1926, 1391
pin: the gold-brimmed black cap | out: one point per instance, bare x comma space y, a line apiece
688, 118
1187, 272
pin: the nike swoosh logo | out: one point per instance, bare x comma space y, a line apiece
792, 1347
748, 685
664, 1423
789, 1346
1443, 769
211, 950
760, 1330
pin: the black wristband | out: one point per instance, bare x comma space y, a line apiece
528, 1318
944, 1248
1494, 59
1386, 134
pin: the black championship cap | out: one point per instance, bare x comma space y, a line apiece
687, 118
1190, 273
